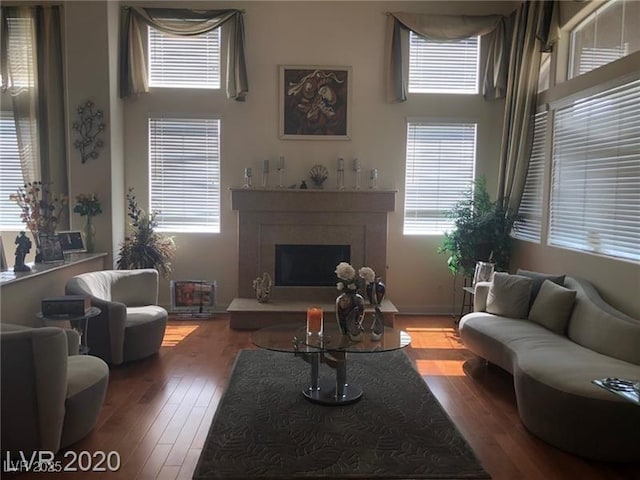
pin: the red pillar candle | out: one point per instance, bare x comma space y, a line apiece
314, 321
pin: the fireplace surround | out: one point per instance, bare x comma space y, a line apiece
271, 217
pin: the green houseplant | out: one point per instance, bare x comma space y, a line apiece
482, 231
144, 247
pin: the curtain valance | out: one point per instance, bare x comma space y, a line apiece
184, 22
447, 28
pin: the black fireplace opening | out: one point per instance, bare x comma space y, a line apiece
309, 265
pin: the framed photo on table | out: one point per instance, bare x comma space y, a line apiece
315, 103
72, 241
193, 296
51, 249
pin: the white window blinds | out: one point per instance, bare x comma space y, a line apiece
10, 174
184, 61
531, 204
440, 166
595, 196
184, 157
443, 67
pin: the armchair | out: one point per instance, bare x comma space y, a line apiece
51, 397
131, 325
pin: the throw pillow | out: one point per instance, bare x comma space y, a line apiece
509, 295
552, 307
537, 281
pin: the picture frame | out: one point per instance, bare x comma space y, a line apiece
192, 296
72, 241
3, 259
50, 248
315, 102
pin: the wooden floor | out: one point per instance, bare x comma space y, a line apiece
158, 411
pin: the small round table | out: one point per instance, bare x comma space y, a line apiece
79, 323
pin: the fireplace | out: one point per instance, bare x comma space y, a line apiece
306, 220
308, 265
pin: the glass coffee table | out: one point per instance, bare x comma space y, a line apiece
331, 349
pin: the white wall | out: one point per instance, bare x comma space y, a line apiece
317, 33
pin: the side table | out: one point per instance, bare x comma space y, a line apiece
80, 323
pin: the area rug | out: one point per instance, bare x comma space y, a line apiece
265, 429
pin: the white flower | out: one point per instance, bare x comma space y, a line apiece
340, 286
344, 271
352, 286
368, 274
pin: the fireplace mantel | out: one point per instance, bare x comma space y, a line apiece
267, 217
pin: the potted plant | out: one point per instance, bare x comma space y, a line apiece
144, 247
482, 231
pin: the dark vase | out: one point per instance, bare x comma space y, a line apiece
376, 291
349, 311
38, 258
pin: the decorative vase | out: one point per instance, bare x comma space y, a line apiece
38, 257
89, 234
376, 291
349, 313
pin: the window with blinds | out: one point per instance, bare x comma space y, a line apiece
443, 67
20, 54
531, 204
595, 193
439, 168
184, 156
10, 173
609, 33
184, 62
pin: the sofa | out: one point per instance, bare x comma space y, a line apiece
131, 325
51, 396
553, 364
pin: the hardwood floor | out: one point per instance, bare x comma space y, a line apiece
158, 411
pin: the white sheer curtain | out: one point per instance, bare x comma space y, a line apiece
31, 65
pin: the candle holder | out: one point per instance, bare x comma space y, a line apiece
373, 179
340, 176
265, 174
314, 321
247, 178
281, 172
357, 168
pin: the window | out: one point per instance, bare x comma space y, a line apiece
184, 62
440, 166
10, 173
184, 156
595, 193
20, 54
531, 204
443, 67
609, 33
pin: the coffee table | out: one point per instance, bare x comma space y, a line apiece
331, 349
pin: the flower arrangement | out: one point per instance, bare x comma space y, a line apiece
144, 247
41, 209
87, 205
351, 281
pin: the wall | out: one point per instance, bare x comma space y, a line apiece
318, 33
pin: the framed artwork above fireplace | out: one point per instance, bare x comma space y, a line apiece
315, 103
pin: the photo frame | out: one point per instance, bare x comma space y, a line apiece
72, 241
3, 260
194, 296
51, 249
315, 102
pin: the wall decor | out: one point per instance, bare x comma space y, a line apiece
89, 126
315, 103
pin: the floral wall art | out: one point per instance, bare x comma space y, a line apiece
315, 102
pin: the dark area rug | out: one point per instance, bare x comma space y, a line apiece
265, 429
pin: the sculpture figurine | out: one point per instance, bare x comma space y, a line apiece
262, 286
23, 247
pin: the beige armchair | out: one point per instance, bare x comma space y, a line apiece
51, 397
131, 325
